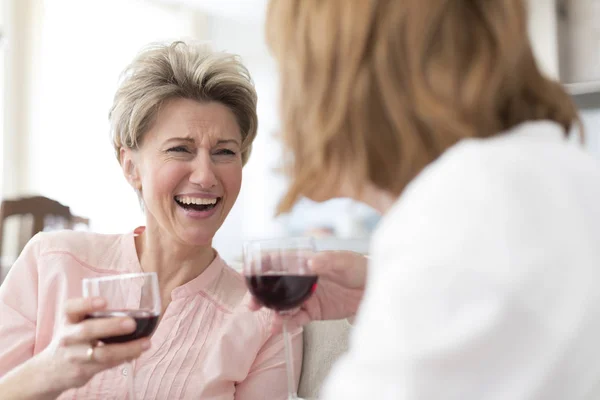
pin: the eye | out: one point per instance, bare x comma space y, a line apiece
178, 149
226, 152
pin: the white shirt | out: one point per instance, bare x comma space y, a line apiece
484, 281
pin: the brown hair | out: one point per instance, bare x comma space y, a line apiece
381, 88
188, 70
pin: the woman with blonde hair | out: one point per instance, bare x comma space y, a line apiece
183, 121
484, 271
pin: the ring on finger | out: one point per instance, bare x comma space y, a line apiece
90, 353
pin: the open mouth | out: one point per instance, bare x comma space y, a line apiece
196, 203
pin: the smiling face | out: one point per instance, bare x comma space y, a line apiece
188, 169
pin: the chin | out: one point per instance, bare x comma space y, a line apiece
199, 238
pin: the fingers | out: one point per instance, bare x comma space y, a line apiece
79, 352
254, 305
326, 261
115, 354
77, 309
91, 330
107, 356
346, 268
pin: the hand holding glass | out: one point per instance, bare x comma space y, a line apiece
278, 277
128, 295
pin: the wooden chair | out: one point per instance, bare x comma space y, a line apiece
45, 213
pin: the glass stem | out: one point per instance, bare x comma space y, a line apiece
287, 343
131, 381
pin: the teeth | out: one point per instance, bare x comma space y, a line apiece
195, 200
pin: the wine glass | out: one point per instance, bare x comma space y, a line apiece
128, 295
278, 277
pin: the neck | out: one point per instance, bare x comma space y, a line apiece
174, 263
379, 199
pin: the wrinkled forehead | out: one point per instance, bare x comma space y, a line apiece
196, 122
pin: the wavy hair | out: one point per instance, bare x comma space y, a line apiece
378, 89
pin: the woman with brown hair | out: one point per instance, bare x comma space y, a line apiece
483, 274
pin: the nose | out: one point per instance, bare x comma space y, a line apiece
203, 173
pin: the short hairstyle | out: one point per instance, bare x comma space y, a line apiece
161, 72
381, 88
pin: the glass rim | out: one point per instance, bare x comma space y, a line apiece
130, 275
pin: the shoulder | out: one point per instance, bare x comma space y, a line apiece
463, 197
93, 249
70, 240
478, 174
448, 183
489, 195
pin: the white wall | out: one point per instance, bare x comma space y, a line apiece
253, 214
21, 48
84, 47
543, 35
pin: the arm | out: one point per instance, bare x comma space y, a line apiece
267, 378
26, 383
65, 363
18, 310
19, 378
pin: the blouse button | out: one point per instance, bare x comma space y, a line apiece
124, 371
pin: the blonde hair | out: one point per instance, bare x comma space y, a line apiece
378, 89
181, 70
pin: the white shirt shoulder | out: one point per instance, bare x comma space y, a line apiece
482, 282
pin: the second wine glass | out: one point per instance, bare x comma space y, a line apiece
278, 276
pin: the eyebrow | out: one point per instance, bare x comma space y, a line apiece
228, 141
190, 140
179, 139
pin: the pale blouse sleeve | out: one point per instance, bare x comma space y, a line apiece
18, 309
267, 379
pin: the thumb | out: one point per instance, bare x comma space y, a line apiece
319, 264
328, 261
332, 262
346, 268
253, 304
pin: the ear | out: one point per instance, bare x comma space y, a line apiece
130, 168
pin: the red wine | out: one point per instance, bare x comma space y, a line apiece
281, 292
145, 323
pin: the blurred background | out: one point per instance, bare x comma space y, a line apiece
60, 62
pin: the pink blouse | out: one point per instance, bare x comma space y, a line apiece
207, 346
